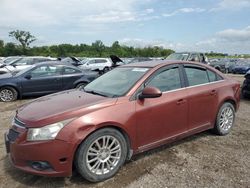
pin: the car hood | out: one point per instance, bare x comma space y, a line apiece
6, 76
61, 106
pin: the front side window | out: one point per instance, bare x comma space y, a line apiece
45, 71
166, 80
91, 62
101, 61
196, 76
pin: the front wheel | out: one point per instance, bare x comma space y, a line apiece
225, 119
101, 155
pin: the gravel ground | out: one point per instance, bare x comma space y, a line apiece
202, 160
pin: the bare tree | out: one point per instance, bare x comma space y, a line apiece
24, 37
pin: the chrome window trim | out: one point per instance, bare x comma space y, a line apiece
193, 86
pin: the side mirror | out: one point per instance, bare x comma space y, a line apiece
150, 92
28, 77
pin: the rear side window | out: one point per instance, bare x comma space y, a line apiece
196, 76
212, 76
68, 70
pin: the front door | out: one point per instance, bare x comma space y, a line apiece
159, 119
43, 79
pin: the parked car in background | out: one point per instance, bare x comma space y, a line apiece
139, 59
9, 59
246, 86
102, 65
71, 61
219, 64
41, 79
23, 63
189, 56
241, 68
131, 109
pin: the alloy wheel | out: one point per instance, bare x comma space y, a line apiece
103, 155
226, 119
6, 95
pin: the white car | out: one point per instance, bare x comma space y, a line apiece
97, 64
22, 63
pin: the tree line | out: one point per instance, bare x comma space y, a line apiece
96, 49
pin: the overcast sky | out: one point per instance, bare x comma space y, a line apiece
202, 25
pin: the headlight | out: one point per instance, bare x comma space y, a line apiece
48, 132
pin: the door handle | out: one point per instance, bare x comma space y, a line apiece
213, 92
180, 101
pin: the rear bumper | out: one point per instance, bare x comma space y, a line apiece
58, 154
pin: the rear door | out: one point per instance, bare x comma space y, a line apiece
43, 79
202, 97
70, 75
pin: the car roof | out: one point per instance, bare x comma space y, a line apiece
54, 63
153, 63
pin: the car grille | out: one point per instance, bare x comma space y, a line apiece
12, 135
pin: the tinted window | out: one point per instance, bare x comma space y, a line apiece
166, 80
212, 76
91, 62
196, 76
68, 70
45, 71
100, 61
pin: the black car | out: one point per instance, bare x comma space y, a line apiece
246, 86
41, 79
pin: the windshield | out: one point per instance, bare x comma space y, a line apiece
178, 56
116, 82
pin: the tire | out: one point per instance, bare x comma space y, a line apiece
81, 85
106, 69
225, 119
8, 94
101, 164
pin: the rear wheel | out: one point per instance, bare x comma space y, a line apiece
225, 119
8, 94
106, 69
81, 85
101, 155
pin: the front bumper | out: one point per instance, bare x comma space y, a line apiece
57, 153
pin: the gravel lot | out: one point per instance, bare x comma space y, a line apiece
202, 160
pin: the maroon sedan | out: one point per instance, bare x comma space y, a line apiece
128, 110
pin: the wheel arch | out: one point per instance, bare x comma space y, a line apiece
113, 126
13, 86
229, 100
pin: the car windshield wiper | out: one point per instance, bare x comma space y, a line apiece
95, 93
